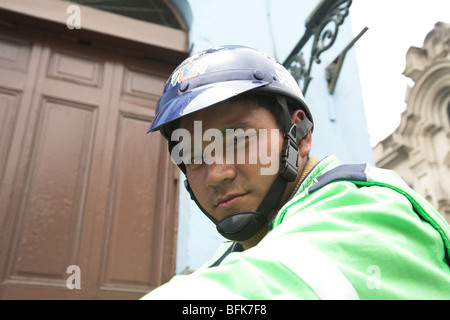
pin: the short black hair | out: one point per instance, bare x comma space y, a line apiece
266, 101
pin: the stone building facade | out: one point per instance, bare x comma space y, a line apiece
419, 149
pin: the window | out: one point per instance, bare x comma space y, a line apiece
155, 11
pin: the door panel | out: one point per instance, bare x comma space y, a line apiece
46, 235
9, 102
134, 230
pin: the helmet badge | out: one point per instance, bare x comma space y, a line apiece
191, 67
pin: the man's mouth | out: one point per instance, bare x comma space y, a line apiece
228, 201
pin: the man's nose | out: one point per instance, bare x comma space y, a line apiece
217, 173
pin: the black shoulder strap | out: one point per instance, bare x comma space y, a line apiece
234, 247
351, 172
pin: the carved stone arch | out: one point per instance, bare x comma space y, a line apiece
435, 42
426, 112
419, 149
428, 99
426, 127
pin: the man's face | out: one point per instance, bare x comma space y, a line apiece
230, 186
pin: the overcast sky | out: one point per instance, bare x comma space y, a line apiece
394, 26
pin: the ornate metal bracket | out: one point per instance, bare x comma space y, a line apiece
334, 68
323, 24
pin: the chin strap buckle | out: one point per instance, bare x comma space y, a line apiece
289, 155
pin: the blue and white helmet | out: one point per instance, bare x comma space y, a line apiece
217, 74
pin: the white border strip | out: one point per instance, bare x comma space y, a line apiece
318, 271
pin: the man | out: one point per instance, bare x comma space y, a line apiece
309, 229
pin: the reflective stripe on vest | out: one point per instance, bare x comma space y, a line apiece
318, 271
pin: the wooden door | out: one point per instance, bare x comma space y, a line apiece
81, 182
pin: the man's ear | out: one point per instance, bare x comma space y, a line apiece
304, 145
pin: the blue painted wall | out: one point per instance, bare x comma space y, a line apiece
275, 27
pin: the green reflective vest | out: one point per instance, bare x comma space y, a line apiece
350, 232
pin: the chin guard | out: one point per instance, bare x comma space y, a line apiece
241, 226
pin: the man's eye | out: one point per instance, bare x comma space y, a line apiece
237, 141
193, 161
198, 159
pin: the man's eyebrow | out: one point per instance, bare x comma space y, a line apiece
234, 126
